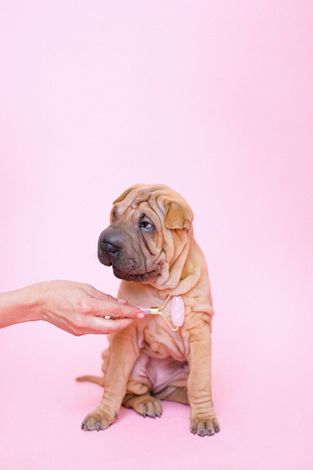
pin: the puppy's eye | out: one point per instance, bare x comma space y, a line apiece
146, 226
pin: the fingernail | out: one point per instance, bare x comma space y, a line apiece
121, 301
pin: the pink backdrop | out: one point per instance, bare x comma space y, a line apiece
214, 99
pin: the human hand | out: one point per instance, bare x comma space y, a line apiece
79, 308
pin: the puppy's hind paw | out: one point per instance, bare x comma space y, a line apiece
149, 406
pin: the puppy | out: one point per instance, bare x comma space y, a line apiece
151, 247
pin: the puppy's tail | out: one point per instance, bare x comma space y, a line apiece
91, 378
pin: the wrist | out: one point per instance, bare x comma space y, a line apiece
32, 301
21, 305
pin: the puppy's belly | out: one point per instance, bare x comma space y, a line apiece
157, 373
162, 361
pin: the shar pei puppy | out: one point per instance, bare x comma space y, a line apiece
165, 355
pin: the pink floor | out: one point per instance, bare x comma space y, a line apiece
262, 388
214, 99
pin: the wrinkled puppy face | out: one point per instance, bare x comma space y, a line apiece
150, 230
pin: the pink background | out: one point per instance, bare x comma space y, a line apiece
214, 99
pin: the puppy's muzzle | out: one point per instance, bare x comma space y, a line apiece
110, 245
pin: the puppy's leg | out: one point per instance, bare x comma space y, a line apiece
94, 378
172, 393
203, 421
123, 354
139, 399
145, 405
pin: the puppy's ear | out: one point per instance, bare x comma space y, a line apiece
178, 217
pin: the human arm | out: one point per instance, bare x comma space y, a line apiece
74, 307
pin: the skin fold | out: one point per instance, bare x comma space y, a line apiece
151, 247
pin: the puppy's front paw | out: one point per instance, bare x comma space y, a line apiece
96, 421
204, 426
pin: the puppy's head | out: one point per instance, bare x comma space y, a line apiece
151, 227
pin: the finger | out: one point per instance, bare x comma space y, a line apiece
104, 326
114, 309
99, 295
96, 294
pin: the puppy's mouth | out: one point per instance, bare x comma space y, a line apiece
129, 272
142, 277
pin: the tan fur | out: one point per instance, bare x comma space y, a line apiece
147, 361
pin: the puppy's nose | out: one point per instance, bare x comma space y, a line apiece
109, 247
110, 242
